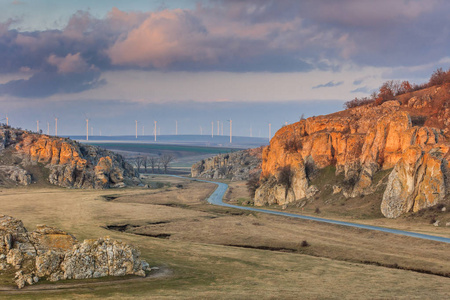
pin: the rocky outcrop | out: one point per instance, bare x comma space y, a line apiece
56, 255
417, 181
69, 164
15, 174
235, 166
360, 142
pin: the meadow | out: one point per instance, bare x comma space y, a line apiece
218, 253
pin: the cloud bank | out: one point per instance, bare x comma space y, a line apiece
233, 36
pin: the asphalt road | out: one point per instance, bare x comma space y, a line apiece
217, 197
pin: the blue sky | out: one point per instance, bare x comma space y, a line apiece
256, 62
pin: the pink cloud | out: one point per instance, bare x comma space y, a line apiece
161, 39
72, 63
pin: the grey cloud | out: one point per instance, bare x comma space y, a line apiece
328, 84
46, 84
363, 89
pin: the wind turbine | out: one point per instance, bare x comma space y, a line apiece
6, 120
155, 129
87, 129
37, 126
231, 130
136, 126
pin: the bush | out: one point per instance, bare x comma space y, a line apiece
253, 184
358, 102
304, 243
439, 77
284, 176
292, 145
317, 210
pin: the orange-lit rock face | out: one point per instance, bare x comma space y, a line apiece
359, 143
417, 182
97, 168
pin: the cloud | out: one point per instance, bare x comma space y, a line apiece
71, 63
328, 84
45, 84
163, 38
363, 89
236, 36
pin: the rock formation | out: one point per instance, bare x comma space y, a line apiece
69, 164
359, 142
237, 165
56, 255
408, 137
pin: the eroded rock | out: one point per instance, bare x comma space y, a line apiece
69, 163
57, 255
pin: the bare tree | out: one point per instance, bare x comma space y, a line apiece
138, 161
165, 160
153, 162
145, 162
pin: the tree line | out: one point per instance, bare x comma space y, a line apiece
393, 88
157, 164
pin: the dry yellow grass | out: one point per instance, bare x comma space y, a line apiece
204, 268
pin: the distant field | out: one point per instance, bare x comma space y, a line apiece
185, 155
181, 150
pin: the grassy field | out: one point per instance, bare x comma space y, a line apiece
338, 263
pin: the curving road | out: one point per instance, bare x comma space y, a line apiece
217, 197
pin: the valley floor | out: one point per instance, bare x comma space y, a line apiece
219, 253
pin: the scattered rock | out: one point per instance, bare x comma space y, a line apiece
16, 174
336, 189
436, 224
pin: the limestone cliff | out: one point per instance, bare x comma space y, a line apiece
56, 255
409, 136
68, 163
235, 166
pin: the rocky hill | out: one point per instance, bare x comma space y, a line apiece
406, 138
235, 166
395, 154
55, 255
27, 157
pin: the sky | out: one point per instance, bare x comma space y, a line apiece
198, 62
